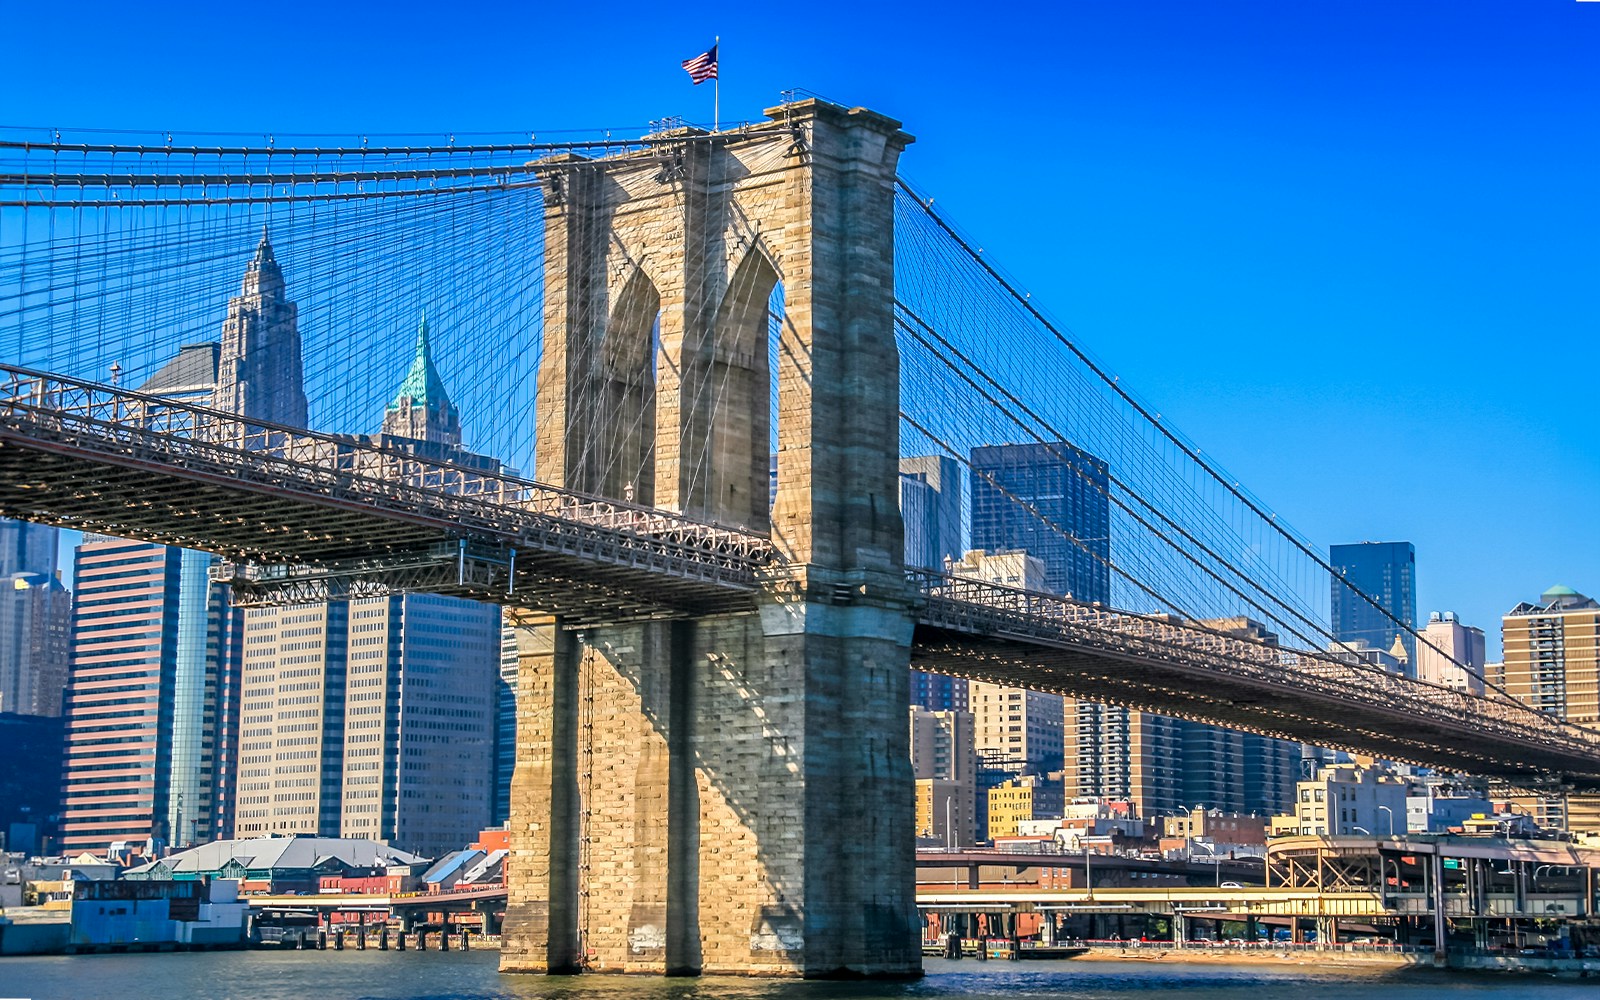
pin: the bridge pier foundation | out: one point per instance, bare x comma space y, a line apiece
718, 805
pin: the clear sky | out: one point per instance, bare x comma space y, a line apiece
1351, 248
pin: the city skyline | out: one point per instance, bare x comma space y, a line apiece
422, 417
197, 372
216, 739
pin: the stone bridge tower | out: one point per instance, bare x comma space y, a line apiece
728, 794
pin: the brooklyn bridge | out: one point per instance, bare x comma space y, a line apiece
697, 359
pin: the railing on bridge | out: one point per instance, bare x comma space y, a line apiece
135, 430
977, 607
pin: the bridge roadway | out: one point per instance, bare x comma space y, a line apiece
306, 516
309, 516
934, 867
452, 900
1350, 890
1207, 900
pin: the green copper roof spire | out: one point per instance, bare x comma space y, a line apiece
422, 386
421, 410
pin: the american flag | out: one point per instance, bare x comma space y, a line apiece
702, 67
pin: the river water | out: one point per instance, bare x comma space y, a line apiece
372, 975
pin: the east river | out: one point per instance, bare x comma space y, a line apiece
370, 975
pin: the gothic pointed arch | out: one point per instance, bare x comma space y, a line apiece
626, 461
732, 439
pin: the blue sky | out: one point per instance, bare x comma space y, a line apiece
1350, 248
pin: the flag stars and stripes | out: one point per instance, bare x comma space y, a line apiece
702, 67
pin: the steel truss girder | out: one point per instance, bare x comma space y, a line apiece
98, 459
1183, 669
452, 571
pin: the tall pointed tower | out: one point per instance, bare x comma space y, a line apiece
421, 410
422, 688
259, 373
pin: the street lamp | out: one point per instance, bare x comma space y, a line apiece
1216, 859
1391, 818
1533, 879
1383, 877
1088, 876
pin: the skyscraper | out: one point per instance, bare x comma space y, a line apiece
27, 548
1121, 753
35, 621
152, 621
151, 643
377, 717
944, 764
30, 782
918, 512
1387, 573
505, 725
930, 502
421, 411
259, 372
1552, 662
1453, 654
1271, 768
1053, 501
930, 506
370, 718
35, 613
1552, 655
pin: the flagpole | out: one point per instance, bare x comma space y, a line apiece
716, 84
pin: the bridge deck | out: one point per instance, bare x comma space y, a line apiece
1200, 901
1162, 664
315, 516
340, 517
339, 901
